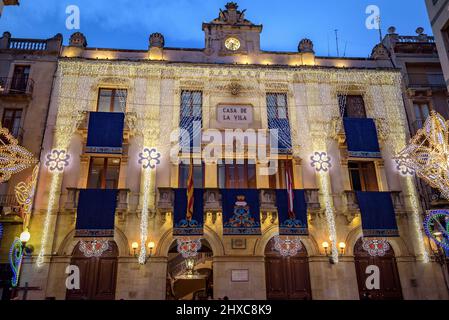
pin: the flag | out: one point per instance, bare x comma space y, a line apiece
290, 194
190, 197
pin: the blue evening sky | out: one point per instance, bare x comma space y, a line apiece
128, 23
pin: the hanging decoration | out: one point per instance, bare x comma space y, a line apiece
188, 247
57, 160
94, 248
287, 247
25, 192
13, 157
321, 161
376, 247
149, 158
428, 153
15, 260
436, 226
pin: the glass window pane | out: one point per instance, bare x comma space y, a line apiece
198, 176
104, 100
221, 176
96, 173
120, 100
112, 173
281, 100
252, 176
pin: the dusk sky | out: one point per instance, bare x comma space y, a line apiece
128, 24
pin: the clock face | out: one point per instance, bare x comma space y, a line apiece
232, 44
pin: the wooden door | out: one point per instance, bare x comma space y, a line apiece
20, 78
287, 278
98, 276
390, 285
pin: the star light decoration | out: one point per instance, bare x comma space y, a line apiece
321, 161
376, 247
149, 158
428, 153
287, 247
57, 160
13, 157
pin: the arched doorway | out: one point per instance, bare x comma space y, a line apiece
98, 275
287, 278
192, 278
390, 285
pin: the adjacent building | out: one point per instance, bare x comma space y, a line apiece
276, 168
4, 3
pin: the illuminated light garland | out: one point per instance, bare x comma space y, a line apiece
287, 247
330, 215
13, 157
94, 248
321, 161
149, 158
144, 216
188, 247
376, 247
15, 260
434, 224
57, 160
25, 192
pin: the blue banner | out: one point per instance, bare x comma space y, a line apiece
241, 212
361, 138
105, 133
292, 225
181, 226
378, 216
96, 213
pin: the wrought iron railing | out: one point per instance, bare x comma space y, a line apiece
21, 85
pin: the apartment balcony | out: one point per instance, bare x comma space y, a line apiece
71, 203
422, 81
16, 87
9, 209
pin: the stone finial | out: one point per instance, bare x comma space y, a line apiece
78, 40
380, 52
392, 30
419, 31
231, 6
6, 34
305, 46
157, 40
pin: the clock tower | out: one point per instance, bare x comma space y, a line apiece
231, 33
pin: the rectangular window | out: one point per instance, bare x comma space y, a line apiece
354, 106
20, 78
191, 104
198, 175
278, 180
277, 106
237, 176
422, 111
11, 121
103, 173
363, 176
112, 100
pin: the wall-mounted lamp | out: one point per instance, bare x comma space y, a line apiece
135, 247
25, 236
325, 246
342, 247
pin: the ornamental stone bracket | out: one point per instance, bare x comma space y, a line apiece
271, 215
352, 207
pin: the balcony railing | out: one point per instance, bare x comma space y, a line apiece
9, 208
416, 39
16, 86
353, 205
27, 44
71, 203
426, 80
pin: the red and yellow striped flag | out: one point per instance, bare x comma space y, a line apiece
189, 214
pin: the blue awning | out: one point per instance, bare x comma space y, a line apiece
182, 227
105, 133
241, 212
361, 138
292, 225
378, 216
96, 213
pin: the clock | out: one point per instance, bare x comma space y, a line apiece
232, 44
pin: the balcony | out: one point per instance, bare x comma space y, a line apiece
16, 86
9, 209
425, 80
71, 203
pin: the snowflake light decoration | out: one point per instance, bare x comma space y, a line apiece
287, 247
321, 161
376, 247
57, 160
188, 248
428, 153
94, 248
149, 158
13, 158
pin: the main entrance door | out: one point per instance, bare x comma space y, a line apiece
390, 285
287, 278
98, 276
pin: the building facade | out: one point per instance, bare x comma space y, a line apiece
4, 3
133, 129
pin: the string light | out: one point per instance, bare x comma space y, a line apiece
25, 192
